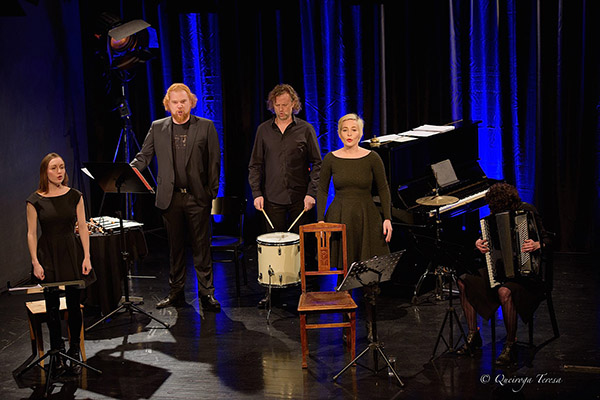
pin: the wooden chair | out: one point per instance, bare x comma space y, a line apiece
230, 240
36, 312
325, 302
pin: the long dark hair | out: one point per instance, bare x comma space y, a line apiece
43, 186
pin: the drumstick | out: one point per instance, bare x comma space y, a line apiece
268, 220
296, 220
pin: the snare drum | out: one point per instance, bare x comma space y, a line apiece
279, 251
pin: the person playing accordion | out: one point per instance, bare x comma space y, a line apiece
517, 295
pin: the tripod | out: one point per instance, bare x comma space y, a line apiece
115, 177
368, 274
55, 355
127, 138
450, 317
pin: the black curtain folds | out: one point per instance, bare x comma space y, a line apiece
527, 69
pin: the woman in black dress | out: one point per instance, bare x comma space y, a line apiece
517, 296
59, 255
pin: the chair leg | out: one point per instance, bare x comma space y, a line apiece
353, 335
552, 315
304, 340
82, 341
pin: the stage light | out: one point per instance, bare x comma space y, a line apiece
130, 44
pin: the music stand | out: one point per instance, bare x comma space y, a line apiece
55, 354
369, 274
120, 178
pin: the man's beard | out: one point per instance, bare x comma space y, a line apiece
181, 119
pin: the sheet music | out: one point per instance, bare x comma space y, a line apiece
391, 138
435, 128
419, 134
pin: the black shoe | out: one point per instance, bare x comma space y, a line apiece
507, 356
74, 368
473, 343
172, 300
209, 303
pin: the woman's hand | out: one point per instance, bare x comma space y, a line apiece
86, 266
38, 271
529, 246
482, 245
387, 230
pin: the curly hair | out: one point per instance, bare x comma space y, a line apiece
43, 185
179, 86
503, 197
280, 89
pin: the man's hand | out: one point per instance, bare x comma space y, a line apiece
309, 202
259, 203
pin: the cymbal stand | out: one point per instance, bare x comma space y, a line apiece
432, 268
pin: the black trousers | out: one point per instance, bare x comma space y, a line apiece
282, 216
52, 298
186, 215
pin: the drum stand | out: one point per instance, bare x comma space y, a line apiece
271, 274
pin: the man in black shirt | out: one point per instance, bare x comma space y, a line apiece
188, 155
285, 164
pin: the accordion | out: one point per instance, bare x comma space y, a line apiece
505, 232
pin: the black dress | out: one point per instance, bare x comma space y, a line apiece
59, 250
527, 292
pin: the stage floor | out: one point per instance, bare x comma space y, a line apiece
237, 354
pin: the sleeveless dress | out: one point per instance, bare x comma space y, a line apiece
353, 203
59, 250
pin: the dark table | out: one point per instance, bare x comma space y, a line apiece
107, 262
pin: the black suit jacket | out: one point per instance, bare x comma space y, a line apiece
203, 159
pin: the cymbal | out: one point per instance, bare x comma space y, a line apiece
437, 201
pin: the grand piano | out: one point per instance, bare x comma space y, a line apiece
410, 176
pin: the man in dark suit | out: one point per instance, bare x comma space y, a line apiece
188, 155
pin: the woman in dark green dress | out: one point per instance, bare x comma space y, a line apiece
353, 170
59, 255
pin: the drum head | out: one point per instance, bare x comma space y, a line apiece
277, 238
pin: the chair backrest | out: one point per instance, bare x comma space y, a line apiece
323, 232
230, 206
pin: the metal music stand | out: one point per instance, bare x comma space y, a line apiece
121, 178
369, 274
55, 354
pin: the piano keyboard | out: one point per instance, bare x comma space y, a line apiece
461, 202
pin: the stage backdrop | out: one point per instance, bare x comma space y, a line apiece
42, 111
528, 70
